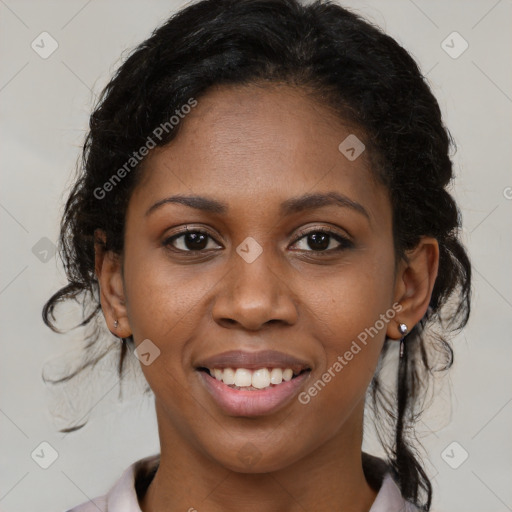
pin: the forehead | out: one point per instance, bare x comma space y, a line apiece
245, 142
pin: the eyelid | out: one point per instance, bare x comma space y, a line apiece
321, 229
344, 240
316, 229
168, 239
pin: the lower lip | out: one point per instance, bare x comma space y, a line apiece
237, 402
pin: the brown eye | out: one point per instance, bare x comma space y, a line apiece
321, 241
192, 241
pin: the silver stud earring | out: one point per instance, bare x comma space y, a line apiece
116, 324
403, 331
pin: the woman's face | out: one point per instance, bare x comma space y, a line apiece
289, 250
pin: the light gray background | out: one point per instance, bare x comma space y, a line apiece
45, 105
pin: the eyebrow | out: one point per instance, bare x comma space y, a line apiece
288, 207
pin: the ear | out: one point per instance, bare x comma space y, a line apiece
109, 273
415, 278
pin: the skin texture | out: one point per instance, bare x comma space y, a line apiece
253, 148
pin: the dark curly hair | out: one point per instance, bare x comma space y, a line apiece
353, 68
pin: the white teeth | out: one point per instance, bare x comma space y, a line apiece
243, 377
260, 379
288, 374
228, 376
276, 376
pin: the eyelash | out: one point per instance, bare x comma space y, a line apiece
344, 242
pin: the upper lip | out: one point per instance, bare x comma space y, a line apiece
254, 360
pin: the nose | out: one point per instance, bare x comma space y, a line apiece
254, 295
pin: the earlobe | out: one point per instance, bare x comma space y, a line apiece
414, 283
112, 296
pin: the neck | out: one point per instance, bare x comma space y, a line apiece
329, 478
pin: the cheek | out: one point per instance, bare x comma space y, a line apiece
160, 294
349, 312
163, 303
162, 306
351, 298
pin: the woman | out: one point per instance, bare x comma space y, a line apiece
262, 218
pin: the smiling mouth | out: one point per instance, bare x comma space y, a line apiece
253, 380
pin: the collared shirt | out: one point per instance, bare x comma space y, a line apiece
123, 496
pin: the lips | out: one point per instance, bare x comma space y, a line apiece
254, 360
248, 400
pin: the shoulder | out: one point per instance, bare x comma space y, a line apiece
95, 505
389, 497
123, 496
